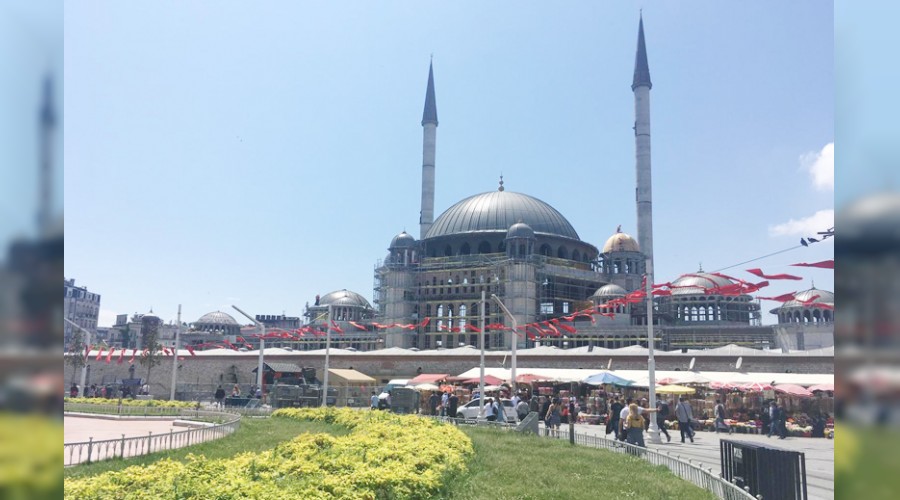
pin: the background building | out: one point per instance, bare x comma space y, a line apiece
81, 307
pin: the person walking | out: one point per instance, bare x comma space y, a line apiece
498, 410
445, 398
684, 415
773, 418
553, 417
662, 413
612, 419
522, 410
634, 426
73, 391
452, 405
373, 401
433, 403
220, 397
490, 416
720, 418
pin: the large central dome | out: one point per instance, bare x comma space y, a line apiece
496, 211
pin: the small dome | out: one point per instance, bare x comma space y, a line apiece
403, 240
824, 297
698, 283
216, 318
344, 298
610, 290
520, 230
621, 242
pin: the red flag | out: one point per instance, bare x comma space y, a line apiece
761, 274
472, 328
121, 357
823, 306
754, 287
657, 293
495, 326
781, 298
552, 328
133, 354
455, 329
425, 322
335, 327
810, 300
357, 325
190, 350
110, 355
99, 354
567, 328
825, 264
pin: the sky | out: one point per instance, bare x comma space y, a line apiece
260, 156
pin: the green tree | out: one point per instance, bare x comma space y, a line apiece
76, 357
152, 354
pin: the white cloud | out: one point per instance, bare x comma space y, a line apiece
821, 167
807, 226
106, 317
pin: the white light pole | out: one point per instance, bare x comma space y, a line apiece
327, 358
653, 429
87, 342
515, 325
481, 363
262, 347
175, 356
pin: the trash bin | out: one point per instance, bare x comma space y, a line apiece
773, 473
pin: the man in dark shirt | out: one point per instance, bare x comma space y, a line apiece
433, 403
453, 404
661, 416
612, 420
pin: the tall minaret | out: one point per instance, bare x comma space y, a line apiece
45, 176
429, 132
643, 191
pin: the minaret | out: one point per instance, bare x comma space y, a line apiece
429, 132
643, 191
45, 176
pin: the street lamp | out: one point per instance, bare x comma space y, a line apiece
262, 347
515, 326
653, 429
175, 356
481, 363
87, 342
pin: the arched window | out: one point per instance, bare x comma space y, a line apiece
827, 315
465, 249
546, 250
440, 315
576, 255
501, 247
448, 252
562, 252
807, 317
484, 247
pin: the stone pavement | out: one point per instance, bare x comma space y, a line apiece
79, 429
819, 453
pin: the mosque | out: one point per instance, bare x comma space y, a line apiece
430, 291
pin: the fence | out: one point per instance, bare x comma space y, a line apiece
223, 424
685, 469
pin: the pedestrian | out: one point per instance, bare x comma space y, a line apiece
553, 418
433, 403
373, 401
490, 416
498, 410
662, 414
522, 410
236, 391
545, 407
720, 418
534, 404
445, 398
634, 426
684, 415
73, 391
612, 418
452, 405
220, 397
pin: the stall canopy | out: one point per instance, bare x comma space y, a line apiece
821, 387
675, 389
428, 378
427, 386
606, 377
280, 368
350, 377
488, 380
792, 390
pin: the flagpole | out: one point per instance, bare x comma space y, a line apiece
175, 356
481, 363
327, 358
653, 429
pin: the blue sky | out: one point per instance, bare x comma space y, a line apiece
260, 156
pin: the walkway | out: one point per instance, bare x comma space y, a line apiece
819, 453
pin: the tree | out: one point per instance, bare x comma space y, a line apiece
152, 354
76, 357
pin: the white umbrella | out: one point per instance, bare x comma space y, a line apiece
492, 388
426, 387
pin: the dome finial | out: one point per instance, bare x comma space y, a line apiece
813, 283
501, 183
619, 228
701, 268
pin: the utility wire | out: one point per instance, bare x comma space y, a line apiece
758, 258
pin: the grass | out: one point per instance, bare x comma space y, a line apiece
255, 434
866, 462
515, 466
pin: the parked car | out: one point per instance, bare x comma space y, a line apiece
470, 410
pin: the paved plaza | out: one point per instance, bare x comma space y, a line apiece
819, 453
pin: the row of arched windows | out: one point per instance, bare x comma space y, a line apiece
485, 247
806, 316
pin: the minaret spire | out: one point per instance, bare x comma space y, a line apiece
429, 140
641, 67
643, 190
48, 126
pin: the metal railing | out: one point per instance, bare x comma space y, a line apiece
218, 425
686, 469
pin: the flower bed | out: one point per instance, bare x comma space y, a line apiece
384, 456
133, 402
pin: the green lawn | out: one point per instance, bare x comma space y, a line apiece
866, 462
506, 465
511, 465
255, 434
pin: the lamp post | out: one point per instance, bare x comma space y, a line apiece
262, 347
515, 326
87, 342
653, 429
481, 362
175, 356
327, 358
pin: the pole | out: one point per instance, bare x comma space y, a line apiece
327, 358
515, 326
175, 356
653, 429
481, 362
87, 342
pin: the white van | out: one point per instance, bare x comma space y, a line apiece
397, 382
